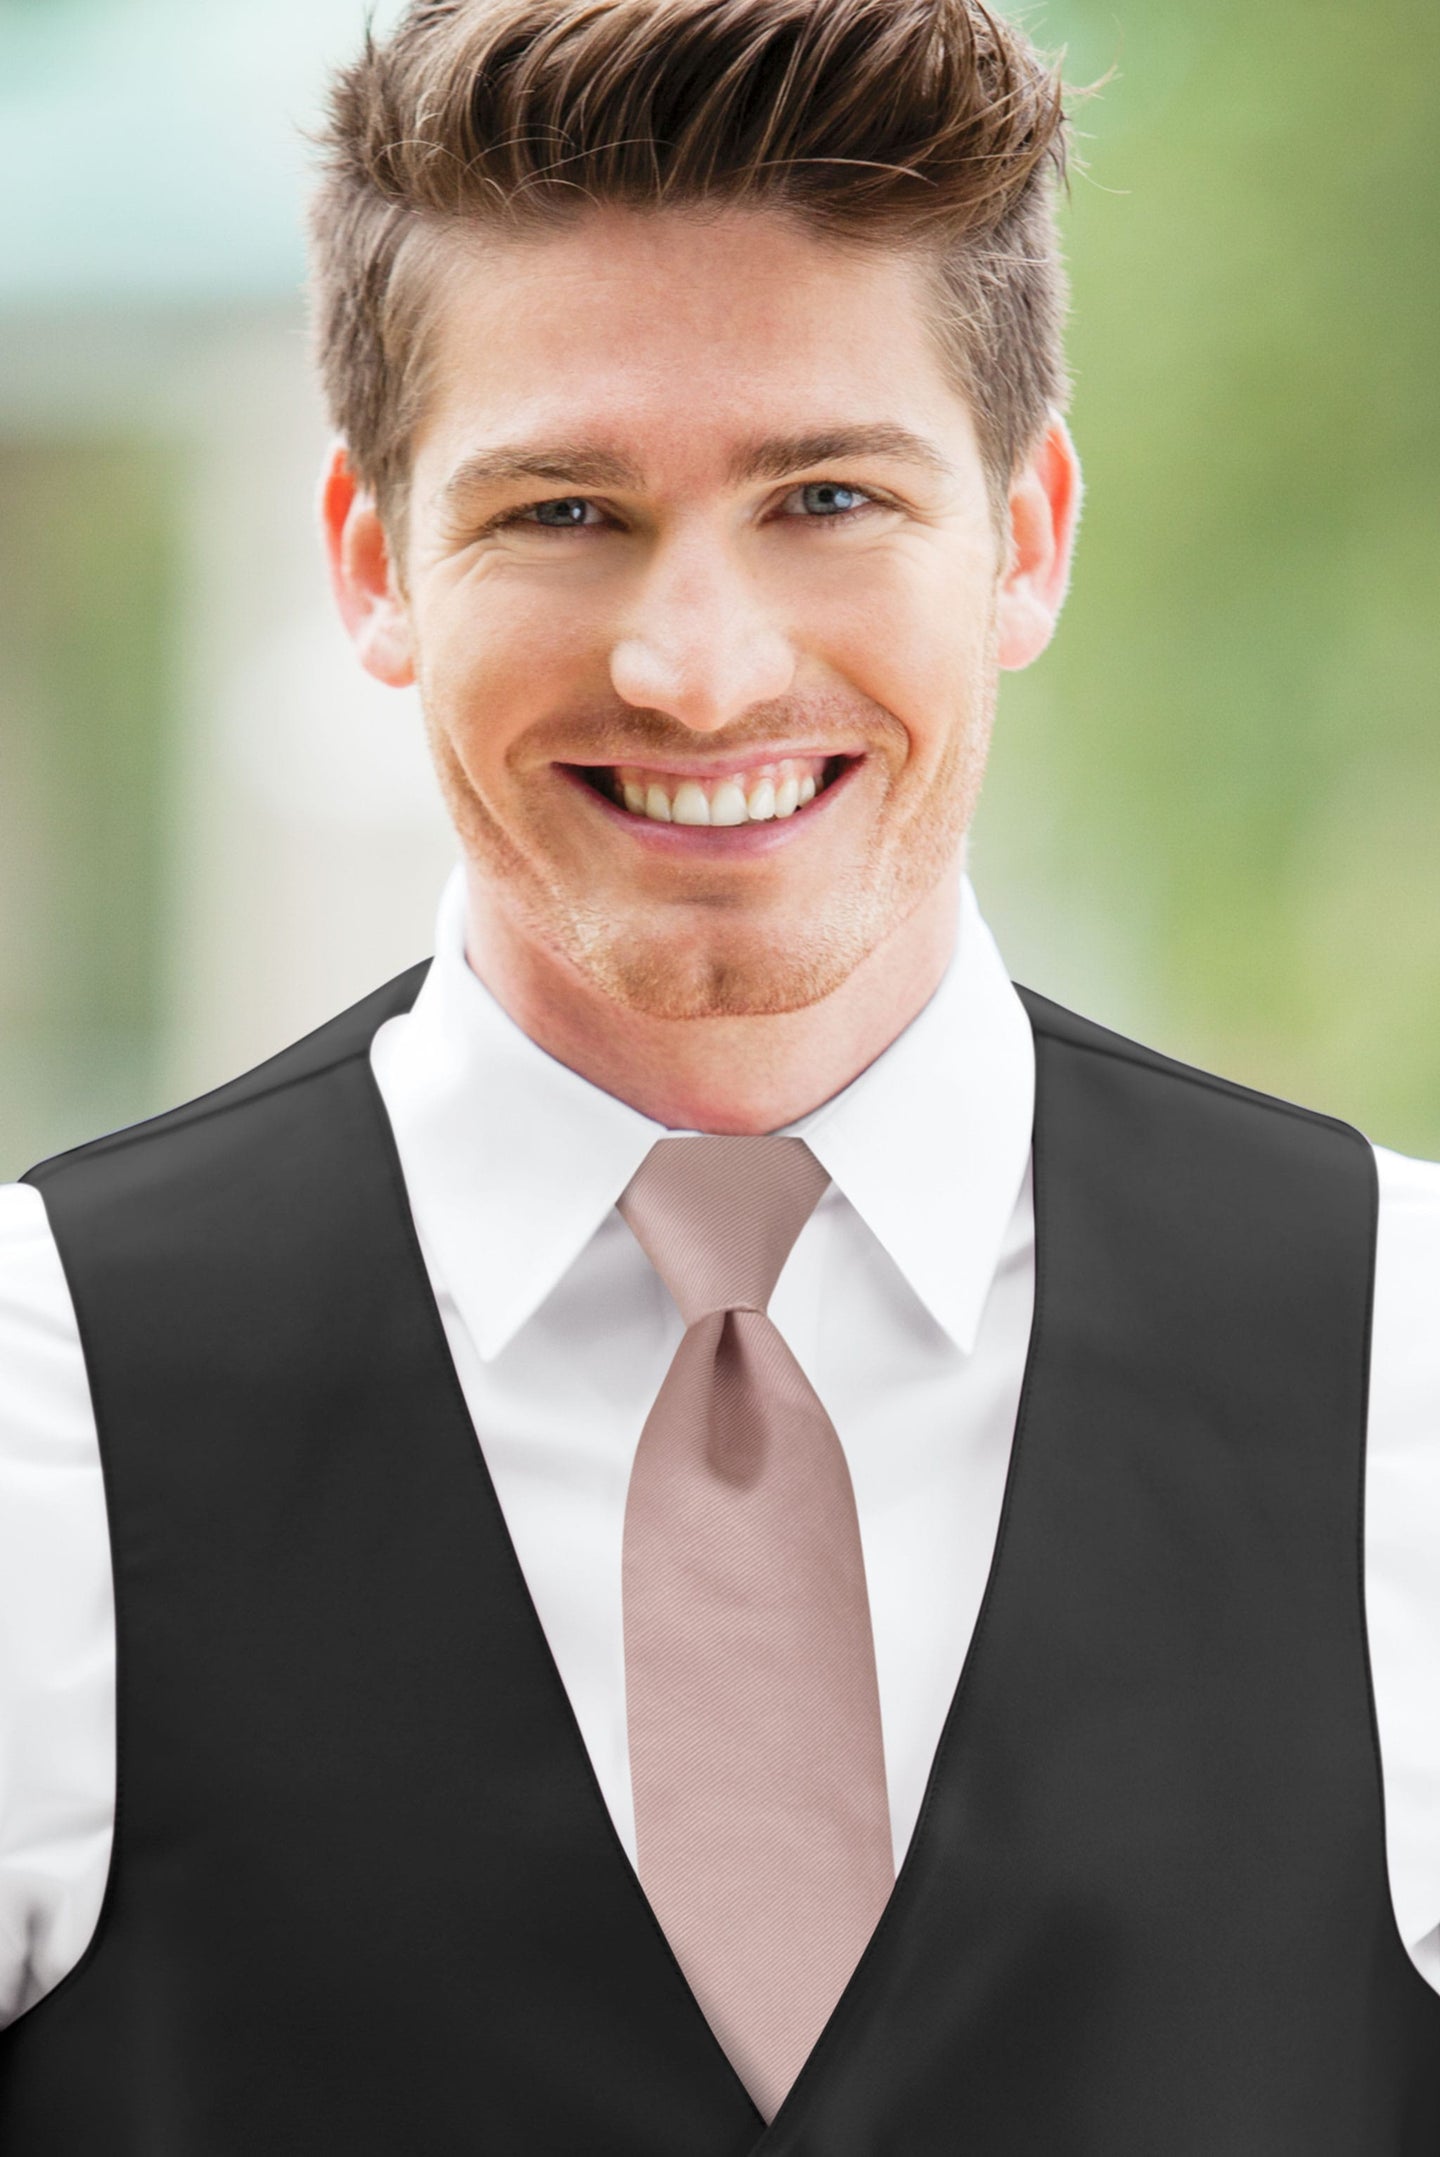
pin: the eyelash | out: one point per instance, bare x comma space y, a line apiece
525, 513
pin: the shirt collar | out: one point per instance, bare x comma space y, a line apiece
512, 1160
931, 1142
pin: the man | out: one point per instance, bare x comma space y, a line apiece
708, 1399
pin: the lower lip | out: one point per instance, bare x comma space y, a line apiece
711, 841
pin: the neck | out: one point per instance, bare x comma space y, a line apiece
731, 1076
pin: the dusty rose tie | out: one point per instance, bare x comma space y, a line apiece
761, 1812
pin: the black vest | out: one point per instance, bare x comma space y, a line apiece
366, 1899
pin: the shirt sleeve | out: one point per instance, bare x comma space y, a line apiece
1402, 1541
57, 1633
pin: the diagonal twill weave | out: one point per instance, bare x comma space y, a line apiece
761, 1812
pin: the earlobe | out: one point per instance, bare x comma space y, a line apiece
362, 575
1044, 511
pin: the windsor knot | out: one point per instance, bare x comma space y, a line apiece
717, 1217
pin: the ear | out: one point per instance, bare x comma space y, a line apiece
1044, 511
362, 577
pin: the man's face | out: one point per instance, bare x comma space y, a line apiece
700, 590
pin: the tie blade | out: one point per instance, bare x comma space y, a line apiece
757, 1760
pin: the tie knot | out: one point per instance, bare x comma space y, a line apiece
717, 1217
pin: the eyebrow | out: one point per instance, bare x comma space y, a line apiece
561, 462
577, 465
783, 454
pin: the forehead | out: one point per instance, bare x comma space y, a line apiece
673, 326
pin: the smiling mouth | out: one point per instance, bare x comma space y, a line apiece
753, 793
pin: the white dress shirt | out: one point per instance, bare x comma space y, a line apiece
907, 1299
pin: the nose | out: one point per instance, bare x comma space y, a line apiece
699, 642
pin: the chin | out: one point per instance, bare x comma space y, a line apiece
759, 975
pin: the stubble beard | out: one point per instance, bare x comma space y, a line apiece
743, 969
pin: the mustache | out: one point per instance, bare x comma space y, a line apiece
627, 734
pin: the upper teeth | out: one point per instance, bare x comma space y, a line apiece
749, 797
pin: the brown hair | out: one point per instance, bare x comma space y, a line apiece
926, 124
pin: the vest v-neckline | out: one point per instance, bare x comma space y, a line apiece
868, 1974
358, 1889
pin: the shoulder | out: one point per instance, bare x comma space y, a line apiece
46, 1425
1214, 1141
340, 1040
1402, 1534
36, 1322
1407, 1279
207, 1199
1058, 1027
1410, 1193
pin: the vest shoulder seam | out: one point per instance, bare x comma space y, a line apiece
326, 1048
203, 1109
1118, 1049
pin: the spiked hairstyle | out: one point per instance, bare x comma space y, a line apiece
928, 125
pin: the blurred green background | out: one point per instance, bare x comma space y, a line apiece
1211, 818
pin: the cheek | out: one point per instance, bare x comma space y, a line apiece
922, 655
495, 658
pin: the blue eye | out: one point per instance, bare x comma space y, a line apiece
829, 498
564, 515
